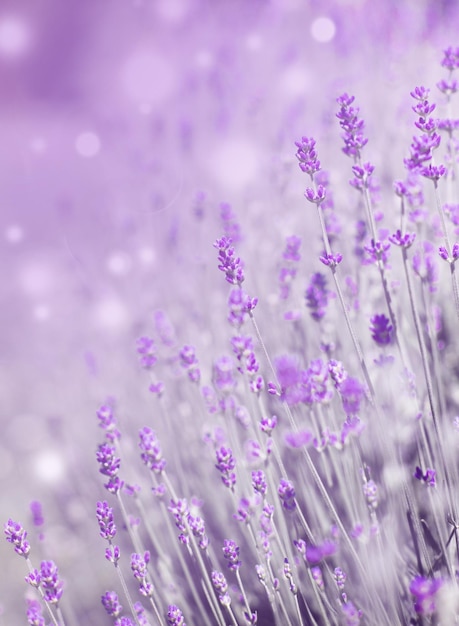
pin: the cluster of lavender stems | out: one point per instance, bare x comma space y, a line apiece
326, 490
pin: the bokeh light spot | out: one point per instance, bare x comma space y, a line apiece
14, 234
38, 145
110, 314
148, 78
49, 466
323, 29
14, 36
87, 144
146, 256
235, 163
295, 81
41, 313
36, 278
119, 263
254, 42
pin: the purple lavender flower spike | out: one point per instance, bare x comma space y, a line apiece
151, 453
315, 196
15, 534
33, 578
337, 372
175, 616
299, 439
111, 604
450, 58
124, 621
139, 569
107, 422
225, 465
50, 583
381, 330
425, 591
377, 251
240, 306
370, 491
307, 156
109, 466
223, 374
231, 553
317, 296
331, 260
340, 578
292, 249
221, 587
428, 477
106, 521
433, 172
268, 424
352, 126
362, 175
141, 614
189, 361
198, 528
112, 554
34, 613
147, 350
403, 241
37, 513
229, 263
352, 393
287, 494
351, 614
259, 482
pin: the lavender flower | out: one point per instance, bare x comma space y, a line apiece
34, 614
381, 330
151, 453
221, 586
225, 465
428, 477
52, 586
425, 591
189, 361
15, 534
109, 466
106, 521
147, 350
139, 569
228, 262
175, 616
111, 604
107, 422
287, 494
231, 553
307, 156
352, 125
317, 296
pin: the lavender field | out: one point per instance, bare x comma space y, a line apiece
229, 345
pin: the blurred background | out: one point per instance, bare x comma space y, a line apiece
123, 126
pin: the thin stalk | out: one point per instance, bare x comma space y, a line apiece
354, 339
127, 594
244, 595
185, 569
452, 265
207, 586
428, 380
316, 476
40, 591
